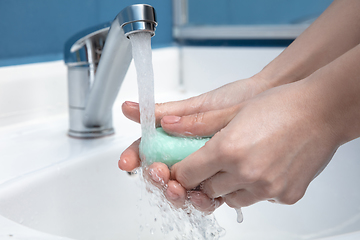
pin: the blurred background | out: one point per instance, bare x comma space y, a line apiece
36, 30
253, 12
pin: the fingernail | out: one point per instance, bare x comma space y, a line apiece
131, 104
122, 162
172, 196
171, 119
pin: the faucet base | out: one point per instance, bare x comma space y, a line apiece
78, 129
91, 134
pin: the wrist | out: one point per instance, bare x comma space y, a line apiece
335, 100
278, 72
269, 78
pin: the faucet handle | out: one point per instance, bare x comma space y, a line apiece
85, 47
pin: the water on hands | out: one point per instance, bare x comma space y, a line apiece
184, 223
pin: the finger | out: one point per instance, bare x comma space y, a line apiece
203, 203
199, 124
220, 184
240, 198
129, 159
176, 194
198, 166
158, 174
131, 111
180, 108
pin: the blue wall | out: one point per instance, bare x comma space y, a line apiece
254, 11
35, 30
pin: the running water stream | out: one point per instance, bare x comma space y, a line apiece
185, 223
142, 55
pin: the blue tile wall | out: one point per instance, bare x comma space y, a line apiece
35, 30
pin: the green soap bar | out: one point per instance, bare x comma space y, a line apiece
168, 149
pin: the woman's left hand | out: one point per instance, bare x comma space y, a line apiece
270, 148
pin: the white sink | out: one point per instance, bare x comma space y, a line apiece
71, 188
85, 198
88, 197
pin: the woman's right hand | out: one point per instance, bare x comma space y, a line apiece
226, 96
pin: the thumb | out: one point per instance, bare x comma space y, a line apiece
199, 124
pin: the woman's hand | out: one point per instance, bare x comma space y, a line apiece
270, 148
227, 96
223, 97
273, 145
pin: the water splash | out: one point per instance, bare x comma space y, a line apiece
184, 223
175, 223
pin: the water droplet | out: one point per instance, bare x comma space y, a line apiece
240, 217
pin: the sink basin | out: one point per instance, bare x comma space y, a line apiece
90, 198
70, 188
85, 198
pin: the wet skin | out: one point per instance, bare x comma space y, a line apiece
159, 173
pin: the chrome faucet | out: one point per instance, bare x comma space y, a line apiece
97, 60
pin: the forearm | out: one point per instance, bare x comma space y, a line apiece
335, 32
335, 91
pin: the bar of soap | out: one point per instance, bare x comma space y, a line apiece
168, 149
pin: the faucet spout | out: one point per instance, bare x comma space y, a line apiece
109, 54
